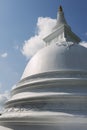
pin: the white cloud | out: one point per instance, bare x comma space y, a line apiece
4, 55
83, 44
44, 27
32, 46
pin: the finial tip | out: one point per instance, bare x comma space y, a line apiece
60, 8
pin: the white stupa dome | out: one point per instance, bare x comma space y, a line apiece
57, 58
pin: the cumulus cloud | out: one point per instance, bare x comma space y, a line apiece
43, 28
4, 55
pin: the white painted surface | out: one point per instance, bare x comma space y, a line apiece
57, 57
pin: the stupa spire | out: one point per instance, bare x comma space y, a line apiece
60, 18
61, 33
60, 8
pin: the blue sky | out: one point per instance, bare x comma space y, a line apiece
18, 19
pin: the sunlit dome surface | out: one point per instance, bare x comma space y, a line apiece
57, 57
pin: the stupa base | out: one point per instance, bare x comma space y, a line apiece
45, 123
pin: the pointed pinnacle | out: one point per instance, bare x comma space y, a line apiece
60, 9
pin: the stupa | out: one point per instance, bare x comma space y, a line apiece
52, 93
